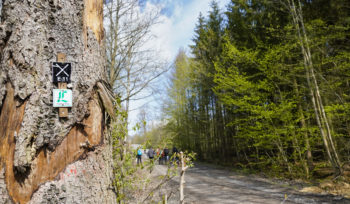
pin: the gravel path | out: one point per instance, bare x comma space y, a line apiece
209, 184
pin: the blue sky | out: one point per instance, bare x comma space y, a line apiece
174, 31
177, 23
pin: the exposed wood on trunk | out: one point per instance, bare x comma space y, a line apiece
35, 145
107, 99
93, 18
47, 165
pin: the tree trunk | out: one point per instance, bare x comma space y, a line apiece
309, 165
44, 158
320, 115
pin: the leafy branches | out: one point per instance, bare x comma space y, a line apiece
267, 86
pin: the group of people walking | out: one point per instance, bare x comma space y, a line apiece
163, 156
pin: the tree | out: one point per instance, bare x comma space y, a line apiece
142, 120
178, 92
317, 102
269, 90
207, 49
44, 157
131, 65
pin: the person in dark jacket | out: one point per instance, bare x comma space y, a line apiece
175, 151
166, 154
175, 154
150, 153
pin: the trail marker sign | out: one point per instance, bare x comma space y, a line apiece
62, 98
61, 72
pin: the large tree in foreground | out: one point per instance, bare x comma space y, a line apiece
43, 157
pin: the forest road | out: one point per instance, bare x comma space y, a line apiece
209, 184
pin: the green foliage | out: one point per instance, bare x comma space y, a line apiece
126, 173
122, 157
130, 178
243, 98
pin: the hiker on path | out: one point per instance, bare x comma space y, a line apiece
157, 152
166, 154
159, 155
150, 153
139, 156
175, 154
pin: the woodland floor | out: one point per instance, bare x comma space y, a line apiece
211, 184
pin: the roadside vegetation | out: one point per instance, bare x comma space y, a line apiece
146, 182
266, 87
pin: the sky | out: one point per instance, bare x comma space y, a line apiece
177, 23
175, 30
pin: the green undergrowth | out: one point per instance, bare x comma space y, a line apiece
135, 183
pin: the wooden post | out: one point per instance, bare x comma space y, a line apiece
182, 178
62, 112
165, 199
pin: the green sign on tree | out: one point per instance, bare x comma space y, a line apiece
62, 98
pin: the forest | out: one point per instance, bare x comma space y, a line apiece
265, 86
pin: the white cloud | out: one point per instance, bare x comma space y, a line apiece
177, 30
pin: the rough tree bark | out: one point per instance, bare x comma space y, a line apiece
44, 158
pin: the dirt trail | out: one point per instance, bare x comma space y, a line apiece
208, 184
